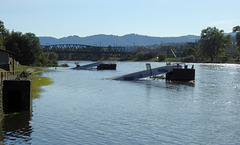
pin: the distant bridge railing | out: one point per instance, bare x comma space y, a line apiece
79, 48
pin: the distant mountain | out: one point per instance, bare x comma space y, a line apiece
126, 40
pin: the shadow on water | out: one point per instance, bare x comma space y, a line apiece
189, 83
16, 128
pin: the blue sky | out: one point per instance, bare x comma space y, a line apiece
162, 18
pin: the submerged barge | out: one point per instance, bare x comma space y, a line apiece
106, 67
175, 72
96, 65
181, 73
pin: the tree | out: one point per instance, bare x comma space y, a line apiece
141, 56
3, 34
162, 56
144, 55
190, 51
3, 31
189, 58
237, 29
26, 47
170, 50
186, 51
47, 59
53, 56
213, 42
1, 42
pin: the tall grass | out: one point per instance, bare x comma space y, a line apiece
37, 82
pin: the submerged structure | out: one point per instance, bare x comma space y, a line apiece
106, 67
175, 72
96, 65
181, 73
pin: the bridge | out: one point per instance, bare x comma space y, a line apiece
79, 48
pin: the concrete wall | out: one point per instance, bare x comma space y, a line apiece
16, 96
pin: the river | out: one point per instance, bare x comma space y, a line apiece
84, 107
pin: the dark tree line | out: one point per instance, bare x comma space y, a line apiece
211, 47
26, 48
237, 29
212, 44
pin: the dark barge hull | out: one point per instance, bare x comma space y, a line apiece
181, 75
106, 67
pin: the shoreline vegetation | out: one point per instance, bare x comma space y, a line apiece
36, 80
230, 60
36, 83
213, 46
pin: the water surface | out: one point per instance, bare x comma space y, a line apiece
83, 107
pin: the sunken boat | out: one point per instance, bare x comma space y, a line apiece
96, 65
106, 67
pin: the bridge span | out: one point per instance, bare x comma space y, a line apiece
79, 48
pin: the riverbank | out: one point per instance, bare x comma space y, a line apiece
217, 60
36, 80
36, 83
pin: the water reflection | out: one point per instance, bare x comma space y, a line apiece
16, 128
159, 83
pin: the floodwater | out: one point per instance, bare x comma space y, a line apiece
84, 107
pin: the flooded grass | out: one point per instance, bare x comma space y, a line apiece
37, 83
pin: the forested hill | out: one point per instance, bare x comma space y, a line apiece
126, 40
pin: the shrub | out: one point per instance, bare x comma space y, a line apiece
162, 56
189, 58
223, 59
144, 55
64, 65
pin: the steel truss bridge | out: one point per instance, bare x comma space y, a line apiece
79, 48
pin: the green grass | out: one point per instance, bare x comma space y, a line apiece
37, 83
153, 60
23, 67
173, 59
36, 80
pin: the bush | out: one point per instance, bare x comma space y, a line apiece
38, 64
223, 59
189, 58
64, 65
144, 55
162, 56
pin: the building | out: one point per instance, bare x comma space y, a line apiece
5, 62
